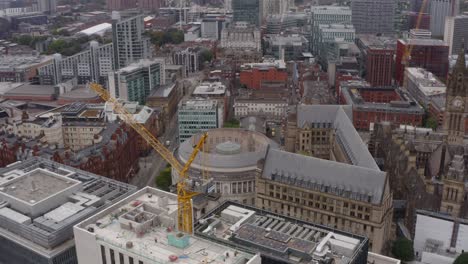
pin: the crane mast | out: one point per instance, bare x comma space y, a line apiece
184, 195
409, 49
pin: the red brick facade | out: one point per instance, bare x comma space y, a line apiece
433, 58
118, 160
252, 78
379, 67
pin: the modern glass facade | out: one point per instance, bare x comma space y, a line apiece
197, 116
246, 10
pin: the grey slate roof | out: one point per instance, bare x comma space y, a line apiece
354, 182
340, 118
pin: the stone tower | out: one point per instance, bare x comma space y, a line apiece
456, 105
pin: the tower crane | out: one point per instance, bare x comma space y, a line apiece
184, 195
409, 48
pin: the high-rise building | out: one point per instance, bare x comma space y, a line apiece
274, 7
456, 31
373, 16
333, 33
41, 202
116, 5
198, 115
211, 27
150, 5
326, 15
430, 54
129, 43
47, 6
135, 82
377, 59
440, 9
91, 65
247, 11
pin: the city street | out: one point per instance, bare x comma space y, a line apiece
151, 165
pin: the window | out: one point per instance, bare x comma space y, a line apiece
121, 257
112, 256
130, 260
103, 255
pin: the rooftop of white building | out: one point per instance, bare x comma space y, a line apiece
99, 29
210, 88
41, 200
144, 224
426, 81
280, 64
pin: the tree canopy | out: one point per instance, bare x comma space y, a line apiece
170, 36
403, 249
206, 55
462, 259
164, 179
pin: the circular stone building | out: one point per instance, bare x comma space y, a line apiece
229, 158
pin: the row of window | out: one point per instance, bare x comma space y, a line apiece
112, 256
319, 201
235, 187
316, 217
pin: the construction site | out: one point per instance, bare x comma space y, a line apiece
142, 229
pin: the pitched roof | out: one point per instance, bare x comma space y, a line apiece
354, 182
340, 118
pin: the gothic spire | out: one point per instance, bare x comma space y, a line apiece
461, 63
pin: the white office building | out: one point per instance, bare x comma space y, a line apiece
141, 229
456, 31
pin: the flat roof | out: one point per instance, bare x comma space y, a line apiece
31, 89
426, 81
278, 237
36, 186
198, 104
210, 88
163, 90
45, 227
158, 241
97, 29
424, 42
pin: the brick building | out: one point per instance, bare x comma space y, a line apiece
374, 104
253, 74
85, 136
115, 5
377, 58
150, 5
116, 157
431, 54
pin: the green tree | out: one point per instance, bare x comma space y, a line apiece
431, 122
24, 40
462, 259
233, 123
403, 249
164, 179
206, 55
171, 36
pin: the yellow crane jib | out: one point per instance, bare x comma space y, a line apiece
184, 195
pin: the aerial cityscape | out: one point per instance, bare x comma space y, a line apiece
234, 131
